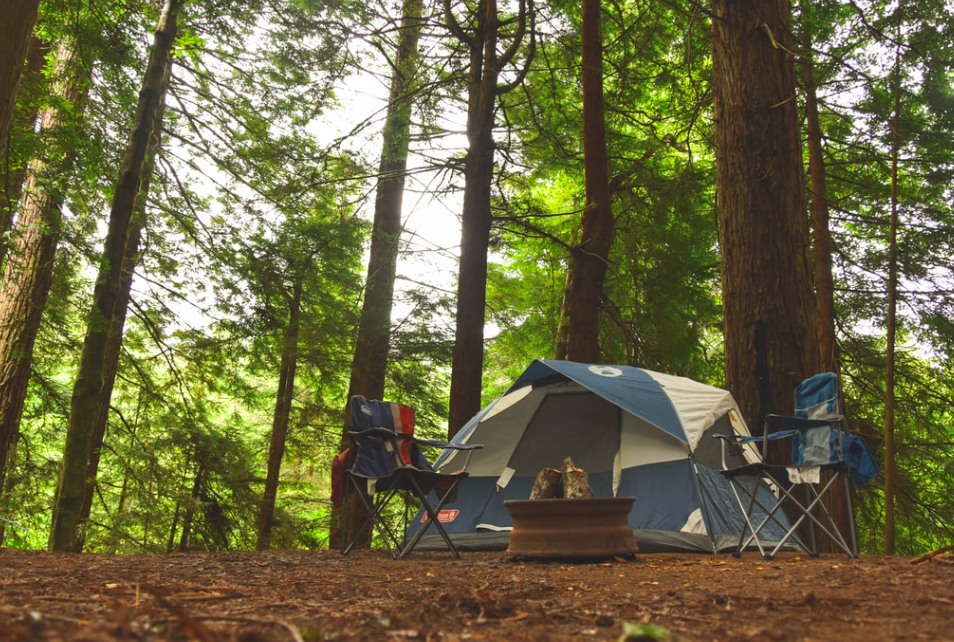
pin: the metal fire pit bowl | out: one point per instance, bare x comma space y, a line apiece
585, 528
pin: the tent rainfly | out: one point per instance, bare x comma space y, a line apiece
635, 432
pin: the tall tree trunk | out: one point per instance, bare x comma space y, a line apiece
84, 402
822, 245
891, 322
821, 231
770, 339
16, 25
476, 218
369, 365
590, 259
280, 420
15, 160
28, 271
114, 340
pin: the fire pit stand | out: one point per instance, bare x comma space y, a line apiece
581, 528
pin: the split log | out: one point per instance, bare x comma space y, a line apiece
546, 485
575, 483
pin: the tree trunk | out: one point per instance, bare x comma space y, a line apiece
280, 421
369, 365
114, 340
188, 519
891, 323
563, 326
770, 339
476, 218
84, 402
822, 245
821, 231
15, 159
590, 259
16, 26
28, 271
374, 332
6, 490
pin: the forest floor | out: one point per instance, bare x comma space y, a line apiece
431, 597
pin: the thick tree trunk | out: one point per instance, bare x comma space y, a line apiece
369, 365
770, 340
89, 380
280, 421
28, 271
114, 341
589, 261
14, 159
16, 26
476, 218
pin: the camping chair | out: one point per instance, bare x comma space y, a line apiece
386, 460
818, 445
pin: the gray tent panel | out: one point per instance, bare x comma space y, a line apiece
582, 425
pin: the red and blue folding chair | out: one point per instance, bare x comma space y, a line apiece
386, 461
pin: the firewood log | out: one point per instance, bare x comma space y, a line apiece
575, 483
546, 485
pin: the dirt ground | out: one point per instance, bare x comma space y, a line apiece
297, 596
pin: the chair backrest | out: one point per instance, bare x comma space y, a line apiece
817, 398
377, 456
371, 413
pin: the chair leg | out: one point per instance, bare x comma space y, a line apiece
852, 533
374, 519
432, 514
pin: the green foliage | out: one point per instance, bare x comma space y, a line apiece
255, 194
633, 632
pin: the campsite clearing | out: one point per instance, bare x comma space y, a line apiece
320, 595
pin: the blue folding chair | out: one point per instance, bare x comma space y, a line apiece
386, 460
823, 455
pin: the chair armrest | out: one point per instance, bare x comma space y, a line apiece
446, 444
789, 425
379, 433
737, 439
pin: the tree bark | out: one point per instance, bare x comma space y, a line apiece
114, 340
280, 420
28, 271
821, 231
85, 399
590, 259
891, 324
476, 217
770, 339
15, 160
822, 245
369, 365
188, 519
16, 25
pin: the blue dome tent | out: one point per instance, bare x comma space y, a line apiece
635, 432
